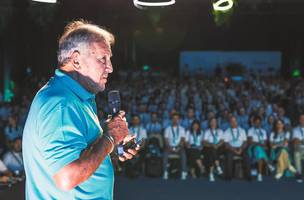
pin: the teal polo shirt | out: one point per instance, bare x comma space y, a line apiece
61, 123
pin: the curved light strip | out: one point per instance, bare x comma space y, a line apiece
217, 5
153, 4
46, 1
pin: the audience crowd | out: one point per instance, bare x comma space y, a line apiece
196, 126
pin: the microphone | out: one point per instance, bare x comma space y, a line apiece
114, 106
114, 102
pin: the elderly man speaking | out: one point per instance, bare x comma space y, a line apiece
65, 151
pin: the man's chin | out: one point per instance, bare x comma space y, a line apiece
101, 88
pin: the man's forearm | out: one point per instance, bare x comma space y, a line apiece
81, 169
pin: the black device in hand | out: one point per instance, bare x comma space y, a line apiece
132, 144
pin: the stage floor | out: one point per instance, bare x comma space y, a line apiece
151, 189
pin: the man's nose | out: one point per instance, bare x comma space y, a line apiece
109, 67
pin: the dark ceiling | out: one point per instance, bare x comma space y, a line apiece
29, 30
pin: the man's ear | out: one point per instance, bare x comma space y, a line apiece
75, 59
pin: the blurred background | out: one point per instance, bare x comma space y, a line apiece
191, 58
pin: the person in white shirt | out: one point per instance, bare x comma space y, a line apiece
236, 143
138, 130
194, 147
279, 140
257, 140
213, 148
298, 146
175, 139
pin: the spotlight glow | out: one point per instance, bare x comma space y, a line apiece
153, 4
218, 6
46, 1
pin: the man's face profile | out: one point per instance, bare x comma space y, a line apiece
95, 66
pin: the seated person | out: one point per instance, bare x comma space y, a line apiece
187, 121
12, 131
137, 129
213, 148
154, 129
279, 140
5, 174
139, 132
298, 146
194, 147
13, 158
175, 138
257, 140
236, 143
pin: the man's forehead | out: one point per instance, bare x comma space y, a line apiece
101, 48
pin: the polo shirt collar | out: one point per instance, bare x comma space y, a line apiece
74, 86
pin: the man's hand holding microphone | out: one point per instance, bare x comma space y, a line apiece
116, 128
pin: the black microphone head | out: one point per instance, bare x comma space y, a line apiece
114, 102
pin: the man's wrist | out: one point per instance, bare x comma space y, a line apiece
111, 140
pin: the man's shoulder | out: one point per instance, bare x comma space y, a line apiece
52, 98
54, 95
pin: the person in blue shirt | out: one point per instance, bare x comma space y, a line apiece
242, 119
65, 150
187, 121
12, 130
13, 157
154, 129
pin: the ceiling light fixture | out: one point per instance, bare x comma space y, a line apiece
153, 3
46, 1
223, 5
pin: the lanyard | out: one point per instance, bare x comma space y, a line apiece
280, 138
20, 161
195, 138
215, 136
302, 132
238, 135
258, 132
175, 135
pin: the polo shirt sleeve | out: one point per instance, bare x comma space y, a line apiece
244, 138
264, 135
296, 134
221, 134
61, 133
287, 136
271, 139
3, 168
226, 136
166, 135
205, 136
250, 133
144, 134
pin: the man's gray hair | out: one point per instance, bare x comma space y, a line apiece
80, 34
